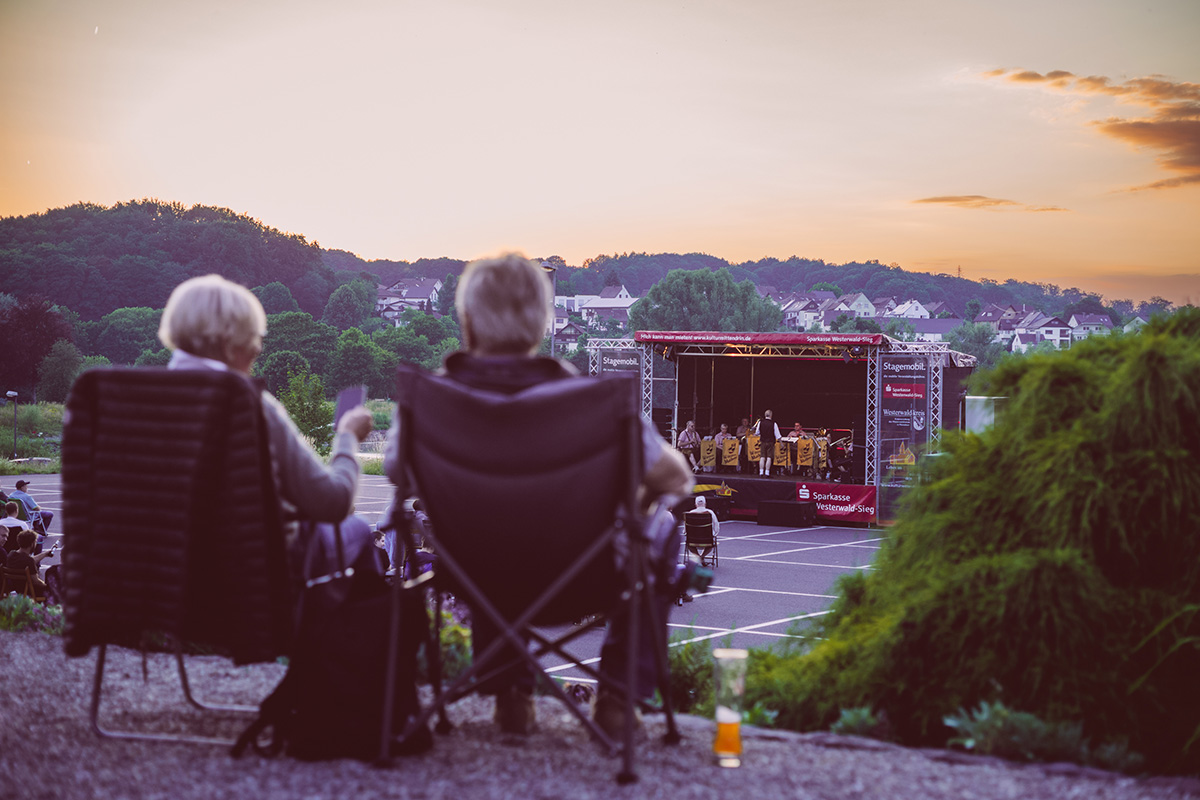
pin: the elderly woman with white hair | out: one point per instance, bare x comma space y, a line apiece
213, 323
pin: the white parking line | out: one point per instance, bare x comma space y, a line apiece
757, 560
748, 628
768, 591
717, 633
805, 549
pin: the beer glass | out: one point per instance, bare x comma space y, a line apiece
730, 674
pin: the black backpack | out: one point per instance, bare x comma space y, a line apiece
330, 702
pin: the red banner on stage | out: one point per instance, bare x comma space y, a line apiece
839, 501
726, 337
903, 391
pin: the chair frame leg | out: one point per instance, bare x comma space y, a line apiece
107, 733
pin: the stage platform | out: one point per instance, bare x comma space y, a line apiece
835, 502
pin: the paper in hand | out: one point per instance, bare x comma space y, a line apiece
348, 398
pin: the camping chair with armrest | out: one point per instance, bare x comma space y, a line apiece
698, 536
551, 533
30, 518
21, 582
172, 522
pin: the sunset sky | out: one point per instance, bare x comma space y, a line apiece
1042, 141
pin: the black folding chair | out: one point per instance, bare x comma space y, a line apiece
698, 536
171, 522
535, 523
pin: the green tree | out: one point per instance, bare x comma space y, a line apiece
349, 305
28, 330
406, 345
974, 306
355, 361
826, 286
979, 340
299, 332
58, 371
432, 328
703, 301
900, 329
445, 304
94, 362
276, 298
278, 367
845, 323
305, 402
126, 332
151, 357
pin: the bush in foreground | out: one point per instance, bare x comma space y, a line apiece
1050, 563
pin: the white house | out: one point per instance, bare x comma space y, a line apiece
1023, 341
1046, 328
855, 305
1085, 325
1135, 324
574, 302
615, 293
884, 306
801, 313
616, 308
418, 293
910, 309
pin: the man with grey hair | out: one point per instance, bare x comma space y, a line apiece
504, 306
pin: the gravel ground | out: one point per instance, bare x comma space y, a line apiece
47, 750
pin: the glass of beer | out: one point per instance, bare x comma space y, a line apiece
730, 674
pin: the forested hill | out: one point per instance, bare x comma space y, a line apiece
93, 259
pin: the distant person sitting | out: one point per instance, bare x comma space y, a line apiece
688, 443
720, 439
13, 525
39, 519
24, 558
702, 506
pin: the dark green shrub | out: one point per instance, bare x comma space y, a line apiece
456, 650
691, 667
1045, 564
19, 613
994, 729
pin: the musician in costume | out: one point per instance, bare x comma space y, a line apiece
720, 439
768, 433
688, 443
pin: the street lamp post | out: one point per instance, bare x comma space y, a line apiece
13, 397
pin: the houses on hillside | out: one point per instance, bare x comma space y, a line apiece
1016, 326
421, 294
817, 310
1020, 328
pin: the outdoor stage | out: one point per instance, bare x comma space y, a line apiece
887, 400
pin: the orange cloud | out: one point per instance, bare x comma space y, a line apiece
1172, 128
979, 201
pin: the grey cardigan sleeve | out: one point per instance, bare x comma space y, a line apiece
321, 493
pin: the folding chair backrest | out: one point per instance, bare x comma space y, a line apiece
21, 582
170, 514
518, 485
698, 531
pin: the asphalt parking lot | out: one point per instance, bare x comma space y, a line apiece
768, 578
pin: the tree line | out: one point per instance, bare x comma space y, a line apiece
85, 285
